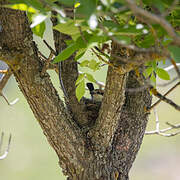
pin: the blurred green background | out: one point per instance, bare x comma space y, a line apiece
31, 157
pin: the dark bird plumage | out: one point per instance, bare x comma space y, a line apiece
96, 94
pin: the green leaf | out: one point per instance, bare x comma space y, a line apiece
22, 7
67, 2
163, 74
90, 77
80, 78
36, 4
175, 52
17, 1
166, 40
86, 8
66, 53
147, 41
98, 38
39, 29
80, 90
117, 29
84, 63
123, 39
153, 64
68, 41
93, 65
70, 27
80, 53
153, 78
148, 71
157, 3
81, 43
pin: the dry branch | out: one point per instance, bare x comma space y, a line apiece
162, 132
4, 155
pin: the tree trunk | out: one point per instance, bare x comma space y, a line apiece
107, 148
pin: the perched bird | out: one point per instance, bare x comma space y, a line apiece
96, 94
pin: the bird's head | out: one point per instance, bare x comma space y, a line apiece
96, 94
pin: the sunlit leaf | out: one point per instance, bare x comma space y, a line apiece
80, 90
162, 74
22, 7
39, 29
93, 65
70, 27
84, 63
76, 5
80, 78
90, 77
148, 71
153, 78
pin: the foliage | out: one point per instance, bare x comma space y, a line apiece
96, 22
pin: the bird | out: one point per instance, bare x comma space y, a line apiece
96, 94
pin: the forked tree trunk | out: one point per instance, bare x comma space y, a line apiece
102, 150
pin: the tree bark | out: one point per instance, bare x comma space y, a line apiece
108, 149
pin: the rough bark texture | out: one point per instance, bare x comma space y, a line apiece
108, 149
69, 74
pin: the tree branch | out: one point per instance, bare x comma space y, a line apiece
156, 19
162, 132
131, 125
106, 124
68, 74
163, 97
64, 135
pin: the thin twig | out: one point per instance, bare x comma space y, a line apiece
175, 67
9, 103
163, 98
46, 65
5, 79
162, 132
1, 94
49, 59
50, 48
42, 56
1, 140
3, 156
176, 126
3, 82
171, 67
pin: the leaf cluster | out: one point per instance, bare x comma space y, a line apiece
96, 22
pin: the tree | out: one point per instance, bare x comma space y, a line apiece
93, 140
